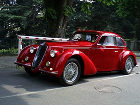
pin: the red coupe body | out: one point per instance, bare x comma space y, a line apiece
95, 51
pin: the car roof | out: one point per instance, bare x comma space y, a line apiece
101, 33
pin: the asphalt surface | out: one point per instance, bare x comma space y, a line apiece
18, 88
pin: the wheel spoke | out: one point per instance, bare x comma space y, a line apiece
71, 72
129, 65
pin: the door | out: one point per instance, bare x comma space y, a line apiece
119, 49
106, 54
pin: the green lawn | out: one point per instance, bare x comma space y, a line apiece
11, 51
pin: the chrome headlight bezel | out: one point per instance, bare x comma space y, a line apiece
53, 53
32, 49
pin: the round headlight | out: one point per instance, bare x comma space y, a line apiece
53, 53
32, 49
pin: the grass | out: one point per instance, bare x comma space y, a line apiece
138, 57
10, 51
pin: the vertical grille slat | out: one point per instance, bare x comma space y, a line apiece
39, 55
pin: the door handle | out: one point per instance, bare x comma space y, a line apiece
115, 51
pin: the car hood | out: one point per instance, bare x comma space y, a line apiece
70, 44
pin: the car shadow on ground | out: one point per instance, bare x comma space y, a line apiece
50, 82
20, 79
14, 82
99, 75
44, 82
23, 82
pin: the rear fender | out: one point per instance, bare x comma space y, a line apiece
124, 56
89, 67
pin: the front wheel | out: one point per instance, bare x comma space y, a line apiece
30, 72
129, 65
71, 73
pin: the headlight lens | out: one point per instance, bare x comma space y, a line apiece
53, 53
32, 49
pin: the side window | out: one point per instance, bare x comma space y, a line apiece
119, 42
102, 40
91, 37
115, 42
107, 40
88, 37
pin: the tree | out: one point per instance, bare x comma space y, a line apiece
58, 11
131, 9
97, 18
21, 17
57, 20
56, 17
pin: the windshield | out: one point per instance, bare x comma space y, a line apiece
91, 37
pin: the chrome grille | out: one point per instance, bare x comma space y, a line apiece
39, 55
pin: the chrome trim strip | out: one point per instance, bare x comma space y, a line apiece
53, 72
21, 64
76, 47
108, 48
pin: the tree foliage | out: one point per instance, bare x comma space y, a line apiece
56, 18
129, 8
21, 17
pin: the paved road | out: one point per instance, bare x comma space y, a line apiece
18, 88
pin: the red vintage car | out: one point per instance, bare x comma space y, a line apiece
86, 53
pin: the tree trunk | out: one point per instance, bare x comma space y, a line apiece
56, 19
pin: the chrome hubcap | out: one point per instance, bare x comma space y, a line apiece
129, 65
70, 72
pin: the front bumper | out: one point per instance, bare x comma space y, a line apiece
49, 72
25, 65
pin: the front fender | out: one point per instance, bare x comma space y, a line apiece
124, 56
24, 53
89, 67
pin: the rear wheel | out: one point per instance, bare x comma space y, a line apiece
129, 65
71, 73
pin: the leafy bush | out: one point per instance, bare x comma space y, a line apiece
9, 51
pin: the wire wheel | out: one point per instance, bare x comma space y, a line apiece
129, 65
71, 72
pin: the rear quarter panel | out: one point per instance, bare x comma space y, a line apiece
125, 54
